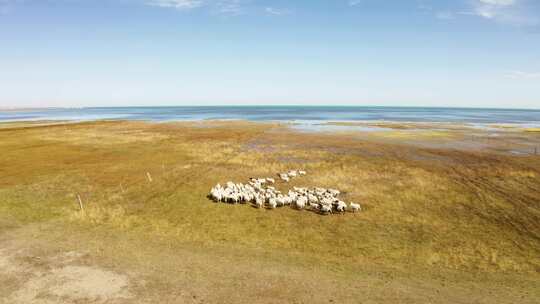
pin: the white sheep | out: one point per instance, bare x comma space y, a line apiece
327, 201
287, 200
216, 195
280, 200
259, 202
260, 192
313, 206
313, 199
272, 203
334, 192
325, 209
341, 206
301, 202
355, 207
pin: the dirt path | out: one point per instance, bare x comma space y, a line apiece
61, 278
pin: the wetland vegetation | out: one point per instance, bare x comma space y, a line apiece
450, 216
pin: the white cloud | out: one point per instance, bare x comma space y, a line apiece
511, 12
276, 11
178, 4
229, 7
354, 2
490, 9
522, 75
222, 7
499, 2
444, 15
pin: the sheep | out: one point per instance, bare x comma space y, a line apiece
312, 198
341, 206
259, 202
216, 195
261, 192
326, 201
245, 197
334, 192
272, 203
301, 202
355, 207
325, 209
313, 206
287, 200
300, 190
280, 200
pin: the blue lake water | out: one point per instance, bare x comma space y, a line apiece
282, 113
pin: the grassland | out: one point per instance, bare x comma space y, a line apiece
448, 218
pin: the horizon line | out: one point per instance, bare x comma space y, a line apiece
258, 106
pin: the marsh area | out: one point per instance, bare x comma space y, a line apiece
451, 213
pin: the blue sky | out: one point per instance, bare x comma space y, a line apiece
471, 53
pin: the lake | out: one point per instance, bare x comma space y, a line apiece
300, 114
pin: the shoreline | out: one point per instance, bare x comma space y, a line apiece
393, 117
272, 106
375, 124
499, 139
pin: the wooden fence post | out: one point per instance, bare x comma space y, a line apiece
80, 202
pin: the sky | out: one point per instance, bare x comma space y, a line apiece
459, 53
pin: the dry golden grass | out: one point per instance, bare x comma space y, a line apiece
427, 210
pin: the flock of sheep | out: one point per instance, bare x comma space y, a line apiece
261, 193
